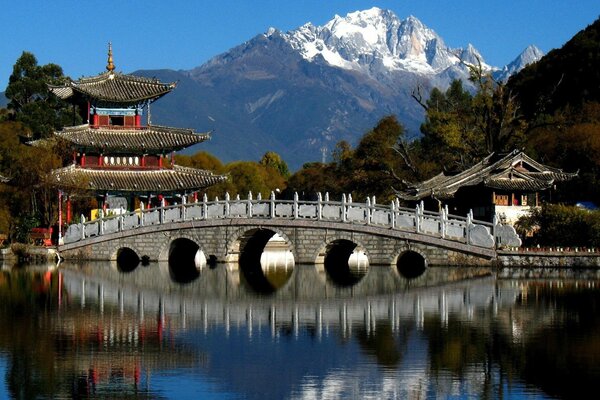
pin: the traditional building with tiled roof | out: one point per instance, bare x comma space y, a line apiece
116, 158
505, 186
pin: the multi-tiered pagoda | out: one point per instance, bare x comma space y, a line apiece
115, 156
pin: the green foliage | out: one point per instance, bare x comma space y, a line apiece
27, 200
369, 170
561, 225
31, 101
274, 161
565, 77
460, 129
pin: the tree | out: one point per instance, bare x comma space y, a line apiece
27, 200
273, 160
460, 129
31, 101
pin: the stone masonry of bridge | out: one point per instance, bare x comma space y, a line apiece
222, 228
307, 243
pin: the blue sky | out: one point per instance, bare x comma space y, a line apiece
175, 34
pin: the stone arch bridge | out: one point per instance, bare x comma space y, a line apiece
225, 230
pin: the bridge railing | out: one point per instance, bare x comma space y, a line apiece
392, 216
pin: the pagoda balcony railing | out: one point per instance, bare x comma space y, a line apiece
436, 224
118, 127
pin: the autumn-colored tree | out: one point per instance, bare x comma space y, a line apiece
27, 200
273, 160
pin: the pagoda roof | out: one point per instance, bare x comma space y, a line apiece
514, 171
114, 88
151, 139
164, 180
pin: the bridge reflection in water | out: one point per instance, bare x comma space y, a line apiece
423, 334
226, 295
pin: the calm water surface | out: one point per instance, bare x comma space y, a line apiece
95, 331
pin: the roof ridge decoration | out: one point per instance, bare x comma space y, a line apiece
490, 173
110, 67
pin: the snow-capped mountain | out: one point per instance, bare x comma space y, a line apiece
530, 55
300, 92
376, 40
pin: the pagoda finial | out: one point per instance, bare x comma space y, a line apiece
110, 67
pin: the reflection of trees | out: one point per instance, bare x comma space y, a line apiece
524, 341
76, 353
387, 346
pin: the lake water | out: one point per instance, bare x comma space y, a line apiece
99, 331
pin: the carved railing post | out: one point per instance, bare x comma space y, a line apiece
368, 211
393, 214
82, 223
443, 219
227, 204
183, 208
121, 220
319, 206
141, 213
494, 229
295, 205
344, 207
469, 224
249, 205
418, 218
162, 211
204, 206
272, 203
326, 196
101, 222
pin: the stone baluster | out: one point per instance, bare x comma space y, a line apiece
494, 229
227, 198
349, 198
326, 196
368, 211
101, 222
344, 207
162, 211
82, 226
295, 205
319, 206
204, 206
141, 213
183, 208
249, 205
259, 196
272, 205
418, 218
469, 224
121, 221
393, 214
443, 219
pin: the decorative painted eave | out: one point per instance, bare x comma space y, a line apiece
164, 180
152, 139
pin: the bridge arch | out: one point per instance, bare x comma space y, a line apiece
247, 248
126, 258
184, 258
344, 259
411, 263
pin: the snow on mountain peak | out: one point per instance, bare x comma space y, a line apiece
374, 40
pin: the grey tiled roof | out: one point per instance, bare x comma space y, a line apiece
176, 179
515, 171
114, 87
152, 139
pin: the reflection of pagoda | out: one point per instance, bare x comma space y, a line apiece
113, 153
